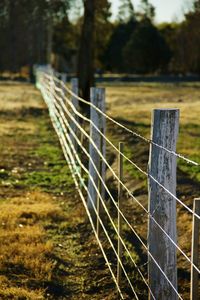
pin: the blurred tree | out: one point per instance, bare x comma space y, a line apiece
28, 27
186, 43
95, 33
122, 30
103, 31
86, 50
196, 6
146, 50
126, 11
65, 41
170, 31
147, 10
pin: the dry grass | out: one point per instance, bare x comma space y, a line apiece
18, 96
25, 252
136, 102
7, 291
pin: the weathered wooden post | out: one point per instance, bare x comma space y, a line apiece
194, 294
98, 100
100, 186
64, 80
162, 206
120, 174
64, 77
75, 102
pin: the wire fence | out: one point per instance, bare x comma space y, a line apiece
152, 271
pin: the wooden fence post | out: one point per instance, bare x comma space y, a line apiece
120, 174
100, 186
162, 206
75, 102
98, 100
194, 294
64, 77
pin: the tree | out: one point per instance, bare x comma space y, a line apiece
95, 33
126, 11
113, 57
147, 10
146, 50
86, 50
103, 31
122, 30
28, 28
65, 39
186, 46
170, 33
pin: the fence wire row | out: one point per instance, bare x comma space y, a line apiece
83, 141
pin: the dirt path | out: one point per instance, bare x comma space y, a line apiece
47, 248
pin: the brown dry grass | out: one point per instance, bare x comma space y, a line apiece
25, 252
17, 96
136, 102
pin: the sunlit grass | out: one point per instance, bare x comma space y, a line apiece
25, 251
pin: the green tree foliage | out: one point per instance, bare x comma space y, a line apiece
126, 11
190, 35
65, 40
26, 27
122, 30
184, 42
147, 10
113, 58
130, 44
86, 49
103, 31
146, 50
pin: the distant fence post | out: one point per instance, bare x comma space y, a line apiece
194, 294
162, 206
64, 77
119, 248
75, 103
98, 100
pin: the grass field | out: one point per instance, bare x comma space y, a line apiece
47, 248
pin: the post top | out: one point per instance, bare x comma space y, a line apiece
166, 109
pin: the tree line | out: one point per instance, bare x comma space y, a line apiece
30, 31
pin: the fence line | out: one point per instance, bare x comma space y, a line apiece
59, 107
130, 161
130, 194
120, 212
69, 157
125, 128
106, 210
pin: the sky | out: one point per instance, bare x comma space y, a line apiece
166, 10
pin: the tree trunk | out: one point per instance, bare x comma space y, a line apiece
86, 50
49, 38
